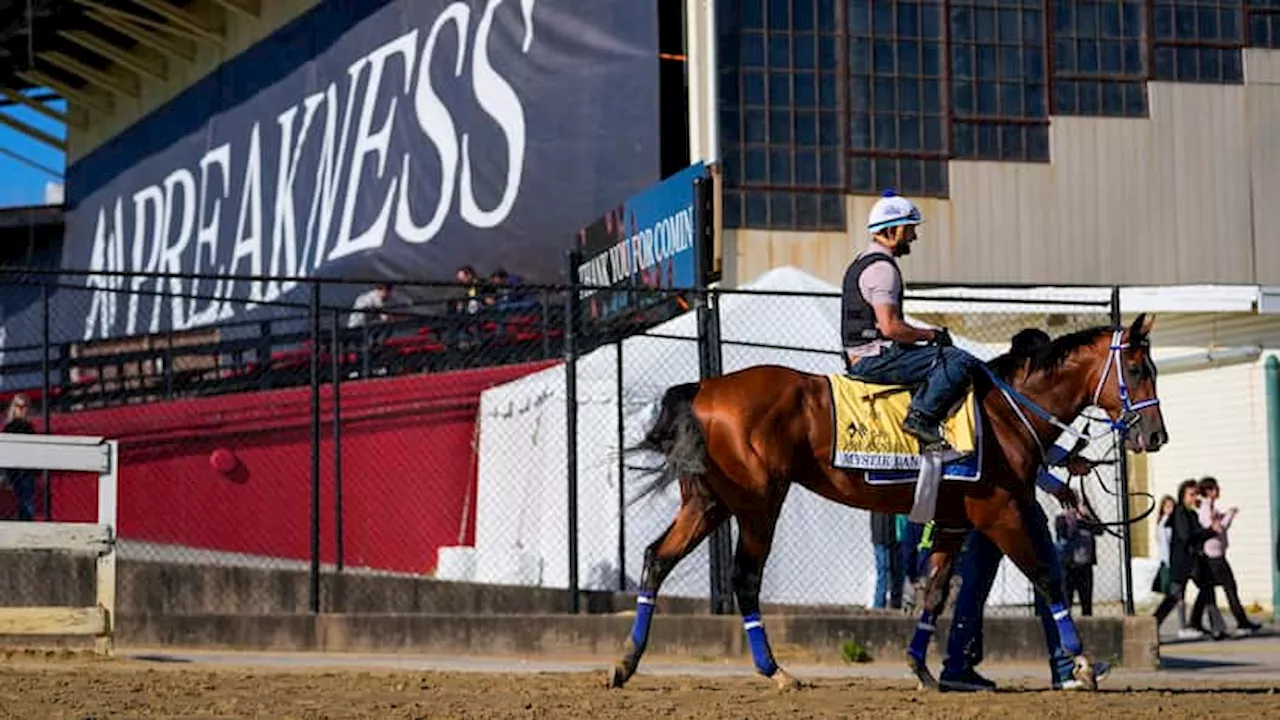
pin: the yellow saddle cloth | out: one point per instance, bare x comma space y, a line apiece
868, 430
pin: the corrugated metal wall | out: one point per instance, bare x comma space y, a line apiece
1188, 195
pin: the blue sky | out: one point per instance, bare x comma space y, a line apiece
21, 184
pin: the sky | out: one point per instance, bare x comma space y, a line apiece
21, 184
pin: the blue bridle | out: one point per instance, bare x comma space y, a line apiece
1130, 410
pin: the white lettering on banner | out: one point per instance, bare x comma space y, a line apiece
207, 233
644, 250
177, 225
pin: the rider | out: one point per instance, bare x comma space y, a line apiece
981, 560
879, 346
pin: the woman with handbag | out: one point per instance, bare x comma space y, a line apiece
1185, 539
1161, 583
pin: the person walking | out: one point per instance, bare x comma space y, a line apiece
1185, 542
884, 538
1217, 571
1164, 536
1077, 551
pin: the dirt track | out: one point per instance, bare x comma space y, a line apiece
42, 687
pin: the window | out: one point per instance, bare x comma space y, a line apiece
1099, 58
1263, 20
824, 97
999, 80
781, 127
774, 209
897, 125
1197, 41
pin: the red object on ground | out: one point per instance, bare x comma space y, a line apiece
408, 469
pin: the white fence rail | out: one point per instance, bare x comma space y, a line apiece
67, 453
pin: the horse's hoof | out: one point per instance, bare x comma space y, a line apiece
1084, 673
785, 681
921, 671
617, 677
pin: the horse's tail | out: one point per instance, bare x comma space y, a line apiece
677, 435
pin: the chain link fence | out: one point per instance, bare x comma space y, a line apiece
420, 433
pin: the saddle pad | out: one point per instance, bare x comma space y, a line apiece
868, 435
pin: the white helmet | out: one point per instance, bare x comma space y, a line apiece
892, 210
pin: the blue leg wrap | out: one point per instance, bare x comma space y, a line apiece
644, 616
1066, 628
759, 645
919, 647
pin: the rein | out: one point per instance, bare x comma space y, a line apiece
1128, 417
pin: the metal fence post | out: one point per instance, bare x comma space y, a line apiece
1271, 378
46, 396
720, 544
622, 474
571, 423
314, 585
336, 354
1122, 469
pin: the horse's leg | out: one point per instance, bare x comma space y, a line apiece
945, 543
1009, 532
699, 515
755, 539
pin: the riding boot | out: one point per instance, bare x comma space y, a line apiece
926, 430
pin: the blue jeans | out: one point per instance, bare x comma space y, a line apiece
944, 370
909, 554
978, 565
888, 577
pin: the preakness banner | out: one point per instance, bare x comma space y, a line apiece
649, 241
397, 140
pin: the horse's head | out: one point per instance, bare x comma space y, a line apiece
1126, 386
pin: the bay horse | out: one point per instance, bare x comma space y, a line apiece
736, 443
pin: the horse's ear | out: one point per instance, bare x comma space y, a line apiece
1141, 328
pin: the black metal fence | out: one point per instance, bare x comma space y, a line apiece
457, 432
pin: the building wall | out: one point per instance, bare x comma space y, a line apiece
1218, 426
241, 32
1175, 198
1054, 142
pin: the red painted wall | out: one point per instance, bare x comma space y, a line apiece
408, 469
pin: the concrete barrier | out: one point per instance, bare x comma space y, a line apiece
1127, 641
150, 587
218, 606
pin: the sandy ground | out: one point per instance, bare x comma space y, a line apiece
36, 684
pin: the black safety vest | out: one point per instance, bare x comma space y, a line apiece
857, 317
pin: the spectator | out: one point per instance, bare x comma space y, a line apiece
884, 538
21, 480
466, 277
1077, 550
499, 290
367, 303
910, 557
1164, 535
1217, 571
1184, 547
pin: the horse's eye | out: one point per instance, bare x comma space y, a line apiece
1135, 371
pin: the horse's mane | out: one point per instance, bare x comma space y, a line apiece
1047, 357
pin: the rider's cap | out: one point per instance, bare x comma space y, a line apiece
892, 210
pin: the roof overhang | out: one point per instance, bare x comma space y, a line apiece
1083, 300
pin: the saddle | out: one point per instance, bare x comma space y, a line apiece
867, 423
